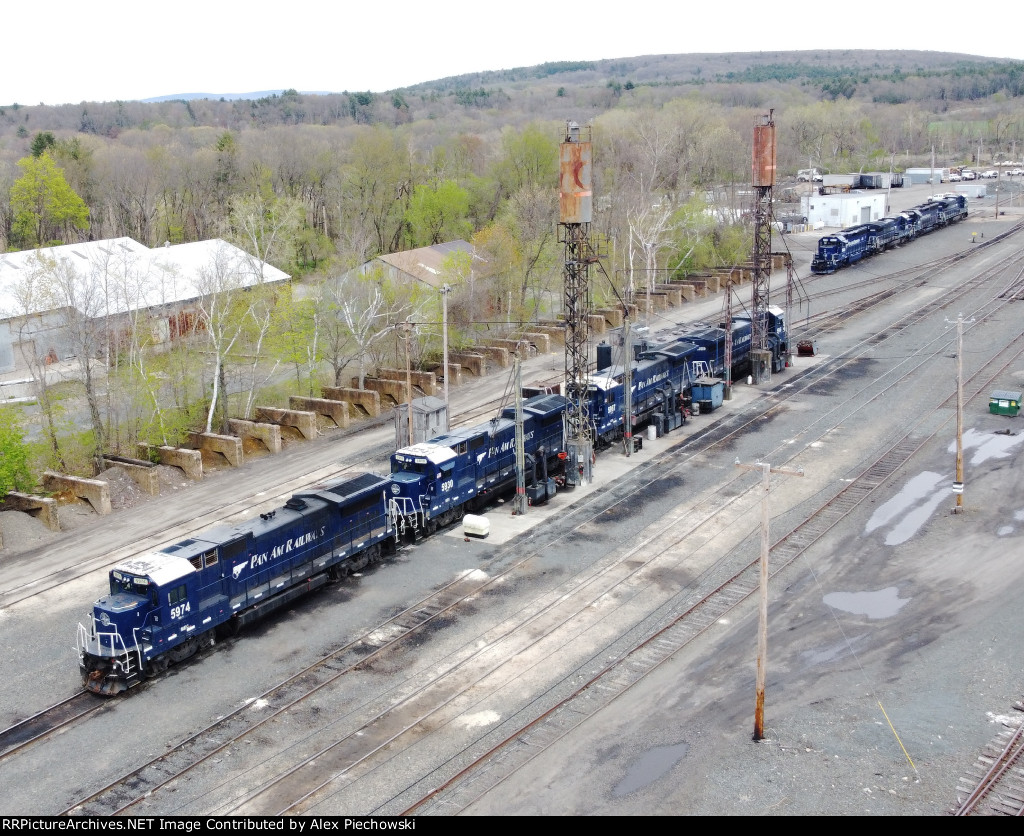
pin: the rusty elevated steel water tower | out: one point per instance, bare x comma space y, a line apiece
763, 180
575, 202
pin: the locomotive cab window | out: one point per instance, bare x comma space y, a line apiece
131, 584
176, 594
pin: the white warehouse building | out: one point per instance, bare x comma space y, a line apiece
843, 210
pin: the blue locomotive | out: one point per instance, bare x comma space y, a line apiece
664, 372
856, 242
166, 605
433, 483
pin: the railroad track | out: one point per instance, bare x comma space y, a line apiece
296, 790
996, 785
49, 721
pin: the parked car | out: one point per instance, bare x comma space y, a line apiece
991, 174
954, 177
967, 174
1017, 172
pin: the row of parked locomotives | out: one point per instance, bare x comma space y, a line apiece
663, 373
856, 242
164, 606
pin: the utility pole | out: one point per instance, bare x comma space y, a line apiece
445, 290
958, 483
627, 387
519, 506
762, 635
407, 330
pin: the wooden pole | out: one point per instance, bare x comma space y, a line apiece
762, 633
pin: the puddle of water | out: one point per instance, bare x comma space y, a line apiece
918, 488
1018, 515
909, 525
883, 603
987, 446
1005, 530
651, 766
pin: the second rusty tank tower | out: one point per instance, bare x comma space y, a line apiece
763, 174
574, 217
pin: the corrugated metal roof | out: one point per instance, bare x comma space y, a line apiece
138, 277
426, 263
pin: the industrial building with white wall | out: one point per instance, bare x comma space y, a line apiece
843, 210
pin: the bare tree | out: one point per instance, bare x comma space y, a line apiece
224, 306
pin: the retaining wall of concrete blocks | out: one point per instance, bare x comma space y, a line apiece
269, 434
304, 422
496, 354
337, 411
427, 381
470, 361
94, 491
540, 340
454, 375
613, 316
228, 446
393, 389
143, 472
42, 507
365, 399
190, 461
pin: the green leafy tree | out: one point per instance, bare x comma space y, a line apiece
45, 208
14, 471
42, 142
438, 212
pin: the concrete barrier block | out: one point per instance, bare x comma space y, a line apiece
337, 411
426, 382
143, 472
394, 390
94, 491
613, 316
190, 461
470, 361
268, 434
304, 422
454, 374
596, 323
42, 507
229, 446
363, 399
540, 341
496, 354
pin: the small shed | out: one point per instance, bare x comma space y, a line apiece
429, 418
1004, 402
708, 393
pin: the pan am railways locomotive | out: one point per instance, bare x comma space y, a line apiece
856, 242
166, 605
663, 372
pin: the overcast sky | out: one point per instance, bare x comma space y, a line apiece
61, 52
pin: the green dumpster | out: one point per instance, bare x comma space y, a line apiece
1004, 402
